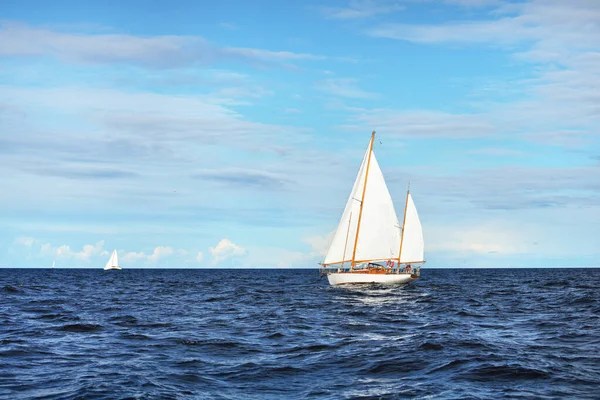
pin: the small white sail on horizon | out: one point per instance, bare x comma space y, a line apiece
113, 262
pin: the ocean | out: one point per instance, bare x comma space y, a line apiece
286, 334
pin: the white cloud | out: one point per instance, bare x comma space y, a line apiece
277, 257
181, 252
319, 244
46, 249
160, 256
274, 257
26, 241
226, 249
489, 237
86, 253
89, 251
133, 256
160, 252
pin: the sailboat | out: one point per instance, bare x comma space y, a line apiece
113, 262
369, 245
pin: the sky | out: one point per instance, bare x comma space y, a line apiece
228, 134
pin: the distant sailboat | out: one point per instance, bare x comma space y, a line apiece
53, 264
113, 262
369, 238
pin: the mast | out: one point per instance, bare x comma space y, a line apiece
403, 225
362, 199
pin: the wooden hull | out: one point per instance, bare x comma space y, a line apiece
350, 278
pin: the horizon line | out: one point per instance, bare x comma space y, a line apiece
292, 268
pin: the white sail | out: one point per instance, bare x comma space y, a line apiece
113, 261
412, 242
379, 233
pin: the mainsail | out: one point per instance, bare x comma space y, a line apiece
412, 247
113, 261
379, 232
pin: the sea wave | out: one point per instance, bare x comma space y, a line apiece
274, 334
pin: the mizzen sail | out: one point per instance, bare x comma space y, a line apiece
413, 247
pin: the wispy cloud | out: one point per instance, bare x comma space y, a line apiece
562, 138
19, 40
474, 3
81, 172
498, 151
559, 105
228, 25
344, 87
550, 27
421, 124
26, 241
267, 55
130, 116
362, 9
521, 188
503, 31
237, 177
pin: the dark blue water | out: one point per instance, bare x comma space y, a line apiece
273, 334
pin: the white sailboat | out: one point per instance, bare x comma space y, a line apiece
369, 246
113, 262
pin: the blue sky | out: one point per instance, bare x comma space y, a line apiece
188, 134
